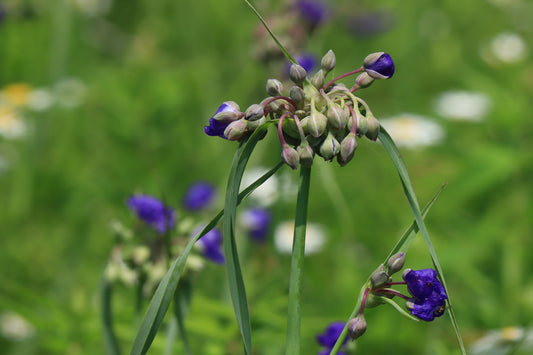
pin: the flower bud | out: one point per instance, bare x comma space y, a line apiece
252, 125
229, 112
330, 147
348, 147
306, 154
317, 124
395, 262
297, 95
364, 80
336, 116
379, 65
318, 79
379, 277
254, 112
373, 128
362, 124
274, 87
356, 327
236, 130
290, 156
328, 61
297, 74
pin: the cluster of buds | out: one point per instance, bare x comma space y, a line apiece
315, 117
427, 298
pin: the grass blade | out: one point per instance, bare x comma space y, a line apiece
394, 154
111, 341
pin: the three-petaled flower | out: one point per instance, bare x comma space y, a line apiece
329, 338
217, 127
211, 245
200, 195
429, 296
153, 212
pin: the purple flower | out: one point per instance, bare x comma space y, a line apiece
217, 127
330, 336
211, 245
153, 212
429, 296
369, 24
312, 11
199, 196
257, 222
379, 65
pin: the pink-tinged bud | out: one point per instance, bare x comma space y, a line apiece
297, 74
364, 80
254, 112
348, 147
357, 327
290, 156
228, 112
328, 61
236, 130
274, 87
396, 262
336, 116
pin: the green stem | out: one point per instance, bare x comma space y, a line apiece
111, 341
297, 261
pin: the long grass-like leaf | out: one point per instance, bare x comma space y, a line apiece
394, 154
111, 341
164, 293
233, 268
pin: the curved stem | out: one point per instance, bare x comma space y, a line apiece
358, 70
297, 260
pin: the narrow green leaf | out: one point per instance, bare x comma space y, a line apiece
106, 292
398, 308
164, 293
394, 154
181, 305
233, 268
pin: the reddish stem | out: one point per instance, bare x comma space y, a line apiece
358, 70
288, 99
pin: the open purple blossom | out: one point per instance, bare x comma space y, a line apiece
312, 11
379, 65
153, 212
211, 245
429, 296
329, 337
217, 127
199, 196
256, 221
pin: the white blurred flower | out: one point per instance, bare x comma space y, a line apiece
69, 92
501, 341
11, 123
14, 327
266, 194
93, 7
40, 99
508, 47
412, 131
463, 105
117, 270
315, 237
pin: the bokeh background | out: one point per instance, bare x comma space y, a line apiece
104, 98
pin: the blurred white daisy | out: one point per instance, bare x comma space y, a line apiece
40, 100
507, 48
315, 237
11, 123
266, 194
463, 105
69, 92
501, 341
15, 327
409, 130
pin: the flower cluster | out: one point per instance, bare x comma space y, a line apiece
315, 118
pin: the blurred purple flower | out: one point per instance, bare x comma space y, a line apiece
330, 336
256, 221
370, 23
2, 13
312, 11
211, 245
199, 196
153, 212
428, 293
217, 128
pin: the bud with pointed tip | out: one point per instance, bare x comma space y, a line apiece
336, 116
318, 79
396, 262
297, 95
297, 74
252, 125
274, 87
328, 61
379, 65
236, 130
254, 112
357, 327
228, 112
364, 80
306, 154
373, 128
330, 147
348, 147
317, 124
290, 156
379, 277
362, 124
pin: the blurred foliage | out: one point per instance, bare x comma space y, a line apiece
155, 71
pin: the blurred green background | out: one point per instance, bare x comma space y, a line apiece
134, 82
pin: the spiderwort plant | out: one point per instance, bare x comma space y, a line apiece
313, 117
